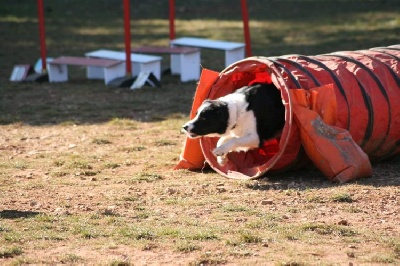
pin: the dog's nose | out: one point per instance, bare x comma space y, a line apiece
185, 127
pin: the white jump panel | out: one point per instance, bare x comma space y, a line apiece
234, 51
140, 62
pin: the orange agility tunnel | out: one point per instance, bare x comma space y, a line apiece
342, 112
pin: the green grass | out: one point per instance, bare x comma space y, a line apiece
235, 208
138, 233
101, 141
342, 197
10, 252
146, 177
187, 247
324, 229
71, 258
120, 263
248, 237
124, 123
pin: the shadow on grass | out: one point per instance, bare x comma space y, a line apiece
384, 174
15, 214
76, 27
82, 101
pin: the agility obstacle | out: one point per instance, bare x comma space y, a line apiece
184, 61
342, 112
245, 20
25, 72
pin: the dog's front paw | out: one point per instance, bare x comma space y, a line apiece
222, 160
219, 151
221, 155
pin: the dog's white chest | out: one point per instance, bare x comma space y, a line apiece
245, 124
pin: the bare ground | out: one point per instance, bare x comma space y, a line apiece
105, 178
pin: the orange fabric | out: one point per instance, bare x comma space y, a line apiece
261, 78
251, 164
192, 157
323, 101
354, 112
331, 149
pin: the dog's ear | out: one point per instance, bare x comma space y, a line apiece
219, 110
222, 111
220, 105
202, 104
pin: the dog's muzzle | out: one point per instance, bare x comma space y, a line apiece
187, 129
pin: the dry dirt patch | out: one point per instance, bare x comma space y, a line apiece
107, 193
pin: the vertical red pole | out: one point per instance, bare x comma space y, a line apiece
127, 27
171, 19
246, 30
42, 36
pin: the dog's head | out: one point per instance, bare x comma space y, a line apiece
211, 120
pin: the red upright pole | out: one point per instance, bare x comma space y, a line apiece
246, 30
171, 19
127, 26
42, 36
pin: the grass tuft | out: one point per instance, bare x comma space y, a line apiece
124, 123
71, 258
187, 247
101, 141
342, 197
10, 252
235, 208
80, 165
134, 149
146, 177
164, 142
209, 258
120, 263
202, 235
326, 229
138, 233
248, 237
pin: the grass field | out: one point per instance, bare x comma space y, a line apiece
86, 170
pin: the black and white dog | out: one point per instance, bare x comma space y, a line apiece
243, 119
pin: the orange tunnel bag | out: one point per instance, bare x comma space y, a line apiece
342, 111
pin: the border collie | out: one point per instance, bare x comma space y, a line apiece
243, 119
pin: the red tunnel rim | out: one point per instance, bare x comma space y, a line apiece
279, 82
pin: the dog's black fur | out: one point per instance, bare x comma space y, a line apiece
266, 103
243, 119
